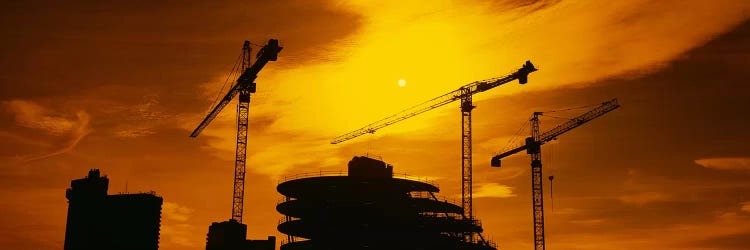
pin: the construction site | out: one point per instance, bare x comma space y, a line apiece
366, 207
375, 125
369, 207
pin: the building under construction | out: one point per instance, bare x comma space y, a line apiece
371, 208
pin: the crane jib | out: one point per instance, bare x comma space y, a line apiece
269, 52
553, 133
473, 88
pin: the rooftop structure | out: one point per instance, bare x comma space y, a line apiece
231, 235
371, 208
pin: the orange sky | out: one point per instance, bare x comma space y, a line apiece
119, 86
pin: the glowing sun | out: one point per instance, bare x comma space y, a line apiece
401, 82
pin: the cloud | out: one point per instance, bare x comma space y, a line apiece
603, 46
588, 222
728, 163
643, 198
141, 119
308, 155
728, 217
738, 241
529, 5
80, 130
15, 138
31, 115
745, 206
592, 41
173, 211
573, 41
175, 228
493, 190
146, 109
69, 131
264, 150
179, 234
133, 132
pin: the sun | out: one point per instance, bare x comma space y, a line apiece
401, 82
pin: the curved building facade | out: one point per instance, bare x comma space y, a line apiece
370, 208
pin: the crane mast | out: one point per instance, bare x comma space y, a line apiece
464, 94
243, 87
533, 148
240, 153
466, 166
537, 199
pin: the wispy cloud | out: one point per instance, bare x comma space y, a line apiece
176, 229
31, 115
728, 163
70, 130
133, 132
745, 206
493, 190
176, 212
80, 131
643, 198
141, 119
588, 222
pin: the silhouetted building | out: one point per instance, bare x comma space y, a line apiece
100, 221
371, 209
231, 235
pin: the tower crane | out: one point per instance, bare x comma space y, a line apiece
464, 94
533, 145
244, 87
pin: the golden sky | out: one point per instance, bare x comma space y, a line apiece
120, 85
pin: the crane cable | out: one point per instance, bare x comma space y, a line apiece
516, 136
234, 71
566, 109
256, 45
557, 117
551, 177
573, 108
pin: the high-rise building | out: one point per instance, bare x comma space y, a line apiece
371, 208
116, 222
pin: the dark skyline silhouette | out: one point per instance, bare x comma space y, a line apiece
97, 220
